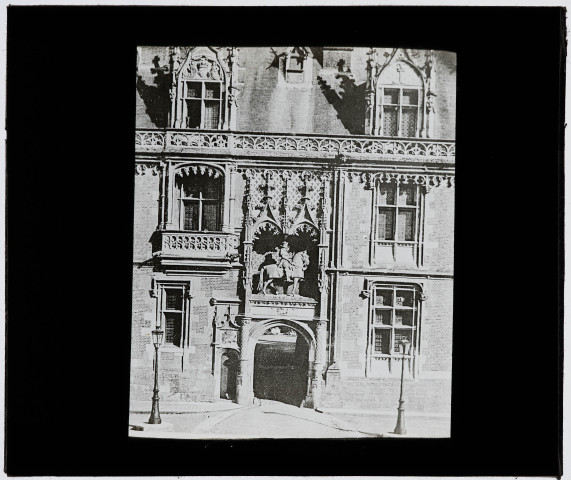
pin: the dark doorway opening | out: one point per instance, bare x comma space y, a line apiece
281, 361
228, 372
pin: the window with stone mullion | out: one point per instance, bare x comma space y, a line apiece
394, 317
204, 101
200, 203
400, 111
397, 207
172, 313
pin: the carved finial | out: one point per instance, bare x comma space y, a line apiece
429, 62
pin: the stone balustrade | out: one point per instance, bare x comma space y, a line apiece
178, 141
196, 246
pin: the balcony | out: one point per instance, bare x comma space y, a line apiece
254, 144
209, 252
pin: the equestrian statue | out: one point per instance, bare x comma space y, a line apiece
289, 268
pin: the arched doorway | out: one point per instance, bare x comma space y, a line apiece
228, 371
281, 365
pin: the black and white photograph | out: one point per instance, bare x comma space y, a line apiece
293, 242
238, 243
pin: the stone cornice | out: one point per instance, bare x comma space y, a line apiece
383, 273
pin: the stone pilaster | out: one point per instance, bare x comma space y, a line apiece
319, 364
244, 391
169, 187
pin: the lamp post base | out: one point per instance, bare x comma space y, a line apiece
155, 417
400, 429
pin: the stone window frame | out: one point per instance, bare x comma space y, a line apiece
394, 357
170, 214
158, 291
200, 200
203, 98
416, 244
286, 66
399, 106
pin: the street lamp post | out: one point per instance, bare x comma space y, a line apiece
400, 429
155, 417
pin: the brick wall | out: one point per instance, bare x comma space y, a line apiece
445, 102
428, 396
439, 229
145, 215
430, 390
352, 322
185, 378
357, 230
436, 327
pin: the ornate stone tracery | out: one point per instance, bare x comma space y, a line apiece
286, 197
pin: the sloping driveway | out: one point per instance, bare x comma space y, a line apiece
269, 419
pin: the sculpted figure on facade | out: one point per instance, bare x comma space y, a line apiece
289, 268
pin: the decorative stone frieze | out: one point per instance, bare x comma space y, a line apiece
426, 180
144, 169
282, 306
198, 170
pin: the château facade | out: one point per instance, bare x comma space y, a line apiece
294, 225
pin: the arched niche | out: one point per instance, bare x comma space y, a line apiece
305, 236
267, 239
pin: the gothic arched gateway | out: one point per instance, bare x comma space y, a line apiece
245, 386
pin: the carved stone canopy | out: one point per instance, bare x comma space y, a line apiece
202, 63
286, 198
198, 170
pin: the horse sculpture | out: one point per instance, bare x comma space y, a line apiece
289, 268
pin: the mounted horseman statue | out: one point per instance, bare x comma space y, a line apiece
289, 268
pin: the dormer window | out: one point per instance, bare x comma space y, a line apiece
294, 69
202, 94
399, 95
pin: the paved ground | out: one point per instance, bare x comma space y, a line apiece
274, 420
416, 426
